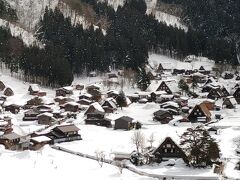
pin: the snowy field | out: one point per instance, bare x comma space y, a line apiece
170, 20
155, 59
53, 164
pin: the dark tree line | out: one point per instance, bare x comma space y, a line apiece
6, 12
72, 50
217, 20
44, 66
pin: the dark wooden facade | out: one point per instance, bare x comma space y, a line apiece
64, 133
164, 87
45, 119
229, 102
33, 89
2, 86
236, 95
200, 113
31, 115
225, 92
168, 149
10, 141
13, 108
124, 122
84, 102
215, 94
8, 92
71, 107
63, 92
98, 118
162, 116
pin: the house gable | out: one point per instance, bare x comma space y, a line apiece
164, 87
225, 92
168, 149
199, 112
215, 94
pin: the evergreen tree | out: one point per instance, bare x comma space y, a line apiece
183, 85
121, 99
6, 12
194, 83
200, 147
143, 80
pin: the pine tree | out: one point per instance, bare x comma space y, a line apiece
194, 83
200, 147
143, 80
183, 85
121, 99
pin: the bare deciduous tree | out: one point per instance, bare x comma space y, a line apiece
151, 139
100, 157
119, 165
138, 139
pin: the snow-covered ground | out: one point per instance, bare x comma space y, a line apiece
151, 8
52, 164
169, 63
170, 20
16, 31
29, 12
49, 163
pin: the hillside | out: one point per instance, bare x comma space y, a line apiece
110, 141
30, 12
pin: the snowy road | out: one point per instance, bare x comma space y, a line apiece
130, 168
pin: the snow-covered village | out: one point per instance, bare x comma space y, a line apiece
110, 123
120, 89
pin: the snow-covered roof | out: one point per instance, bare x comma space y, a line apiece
143, 100
113, 80
93, 85
97, 106
160, 92
71, 103
213, 85
11, 136
3, 123
171, 103
167, 96
113, 92
46, 114
153, 86
41, 139
232, 100
184, 98
85, 100
173, 86
198, 74
128, 101
35, 87
143, 93
68, 88
112, 102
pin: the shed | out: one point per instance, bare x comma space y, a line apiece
124, 122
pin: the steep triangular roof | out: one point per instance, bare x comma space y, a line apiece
167, 140
204, 109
